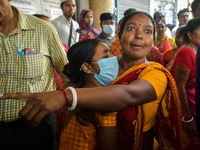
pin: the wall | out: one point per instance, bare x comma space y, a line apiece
82, 4
99, 7
50, 8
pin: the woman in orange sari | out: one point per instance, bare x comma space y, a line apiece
116, 48
146, 88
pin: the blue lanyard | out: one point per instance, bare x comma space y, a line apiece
19, 51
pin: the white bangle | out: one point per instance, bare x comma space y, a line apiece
187, 120
74, 102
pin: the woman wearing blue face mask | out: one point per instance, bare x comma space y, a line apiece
86, 58
146, 90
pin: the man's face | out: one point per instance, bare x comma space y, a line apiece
4, 9
108, 26
184, 18
197, 12
160, 16
69, 8
108, 22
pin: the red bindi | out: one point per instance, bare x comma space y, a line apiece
140, 24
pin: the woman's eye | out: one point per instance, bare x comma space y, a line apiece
130, 28
148, 31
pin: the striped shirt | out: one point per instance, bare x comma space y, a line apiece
29, 73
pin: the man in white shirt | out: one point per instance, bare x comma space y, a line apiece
183, 18
68, 29
159, 15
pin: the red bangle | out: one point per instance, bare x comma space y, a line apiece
66, 96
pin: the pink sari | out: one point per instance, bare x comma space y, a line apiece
190, 90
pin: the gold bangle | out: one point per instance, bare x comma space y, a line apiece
188, 120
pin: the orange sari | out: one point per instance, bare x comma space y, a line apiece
168, 127
116, 48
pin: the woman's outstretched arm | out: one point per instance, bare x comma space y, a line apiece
111, 98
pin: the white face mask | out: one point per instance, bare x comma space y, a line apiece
108, 29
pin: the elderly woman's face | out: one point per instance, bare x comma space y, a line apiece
137, 37
89, 18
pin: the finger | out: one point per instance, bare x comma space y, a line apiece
38, 118
91, 117
193, 133
19, 96
95, 122
29, 114
82, 121
24, 111
27, 107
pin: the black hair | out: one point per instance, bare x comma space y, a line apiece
61, 5
170, 26
194, 5
182, 11
126, 12
161, 21
155, 14
129, 16
79, 53
191, 26
106, 16
40, 15
85, 13
179, 29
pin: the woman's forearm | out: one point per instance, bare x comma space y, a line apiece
182, 75
184, 103
114, 98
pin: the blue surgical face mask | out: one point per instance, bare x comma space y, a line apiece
109, 68
108, 29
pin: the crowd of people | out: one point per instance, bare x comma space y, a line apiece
67, 85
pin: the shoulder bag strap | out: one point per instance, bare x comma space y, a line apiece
70, 35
